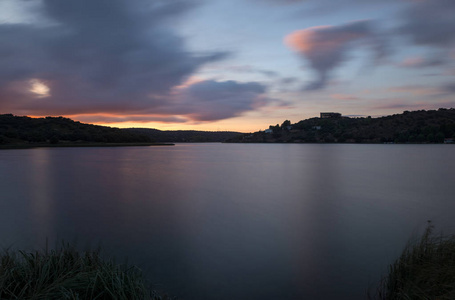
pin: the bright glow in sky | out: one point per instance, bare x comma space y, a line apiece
224, 65
39, 88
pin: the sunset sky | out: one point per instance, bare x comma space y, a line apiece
238, 65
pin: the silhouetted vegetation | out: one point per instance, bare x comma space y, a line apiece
185, 136
66, 273
56, 130
18, 131
432, 126
425, 270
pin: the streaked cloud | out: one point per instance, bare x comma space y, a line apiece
107, 119
326, 47
420, 62
252, 70
192, 62
430, 23
106, 56
344, 97
398, 104
214, 100
420, 90
417, 90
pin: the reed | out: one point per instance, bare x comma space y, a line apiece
66, 273
425, 270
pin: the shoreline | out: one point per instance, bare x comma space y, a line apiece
78, 145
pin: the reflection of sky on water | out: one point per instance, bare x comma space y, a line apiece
41, 188
260, 221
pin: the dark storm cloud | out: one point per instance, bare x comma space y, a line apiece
105, 56
213, 100
325, 47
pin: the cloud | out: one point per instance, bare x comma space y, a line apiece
430, 23
449, 88
248, 69
401, 104
104, 56
288, 80
344, 97
133, 118
420, 62
196, 101
211, 100
417, 90
325, 47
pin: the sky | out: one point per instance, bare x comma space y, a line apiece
217, 65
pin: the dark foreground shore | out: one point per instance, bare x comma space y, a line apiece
425, 270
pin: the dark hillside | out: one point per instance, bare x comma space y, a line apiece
433, 126
53, 130
26, 131
186, 136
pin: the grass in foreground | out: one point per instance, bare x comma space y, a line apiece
425, 270
66, 273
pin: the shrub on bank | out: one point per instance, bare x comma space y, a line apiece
66, 273
425, 270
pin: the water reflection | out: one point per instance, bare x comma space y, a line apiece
41, 187
233, 221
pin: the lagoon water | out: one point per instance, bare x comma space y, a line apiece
233, 221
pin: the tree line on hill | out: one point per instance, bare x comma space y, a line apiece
185, 136
432, 126
22, 130
53, 130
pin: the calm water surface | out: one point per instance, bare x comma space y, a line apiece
233, 221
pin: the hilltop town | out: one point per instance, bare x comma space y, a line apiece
432, 126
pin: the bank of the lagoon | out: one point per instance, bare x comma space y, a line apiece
67, 273
73, 145
424, 270
233, 221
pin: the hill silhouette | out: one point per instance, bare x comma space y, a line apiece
56, 130
185, 136
432, 126
25, 131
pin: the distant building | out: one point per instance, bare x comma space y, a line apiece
448, 141
329, 115
268, 131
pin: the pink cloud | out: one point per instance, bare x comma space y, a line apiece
325, 47
343, 97
320, 38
